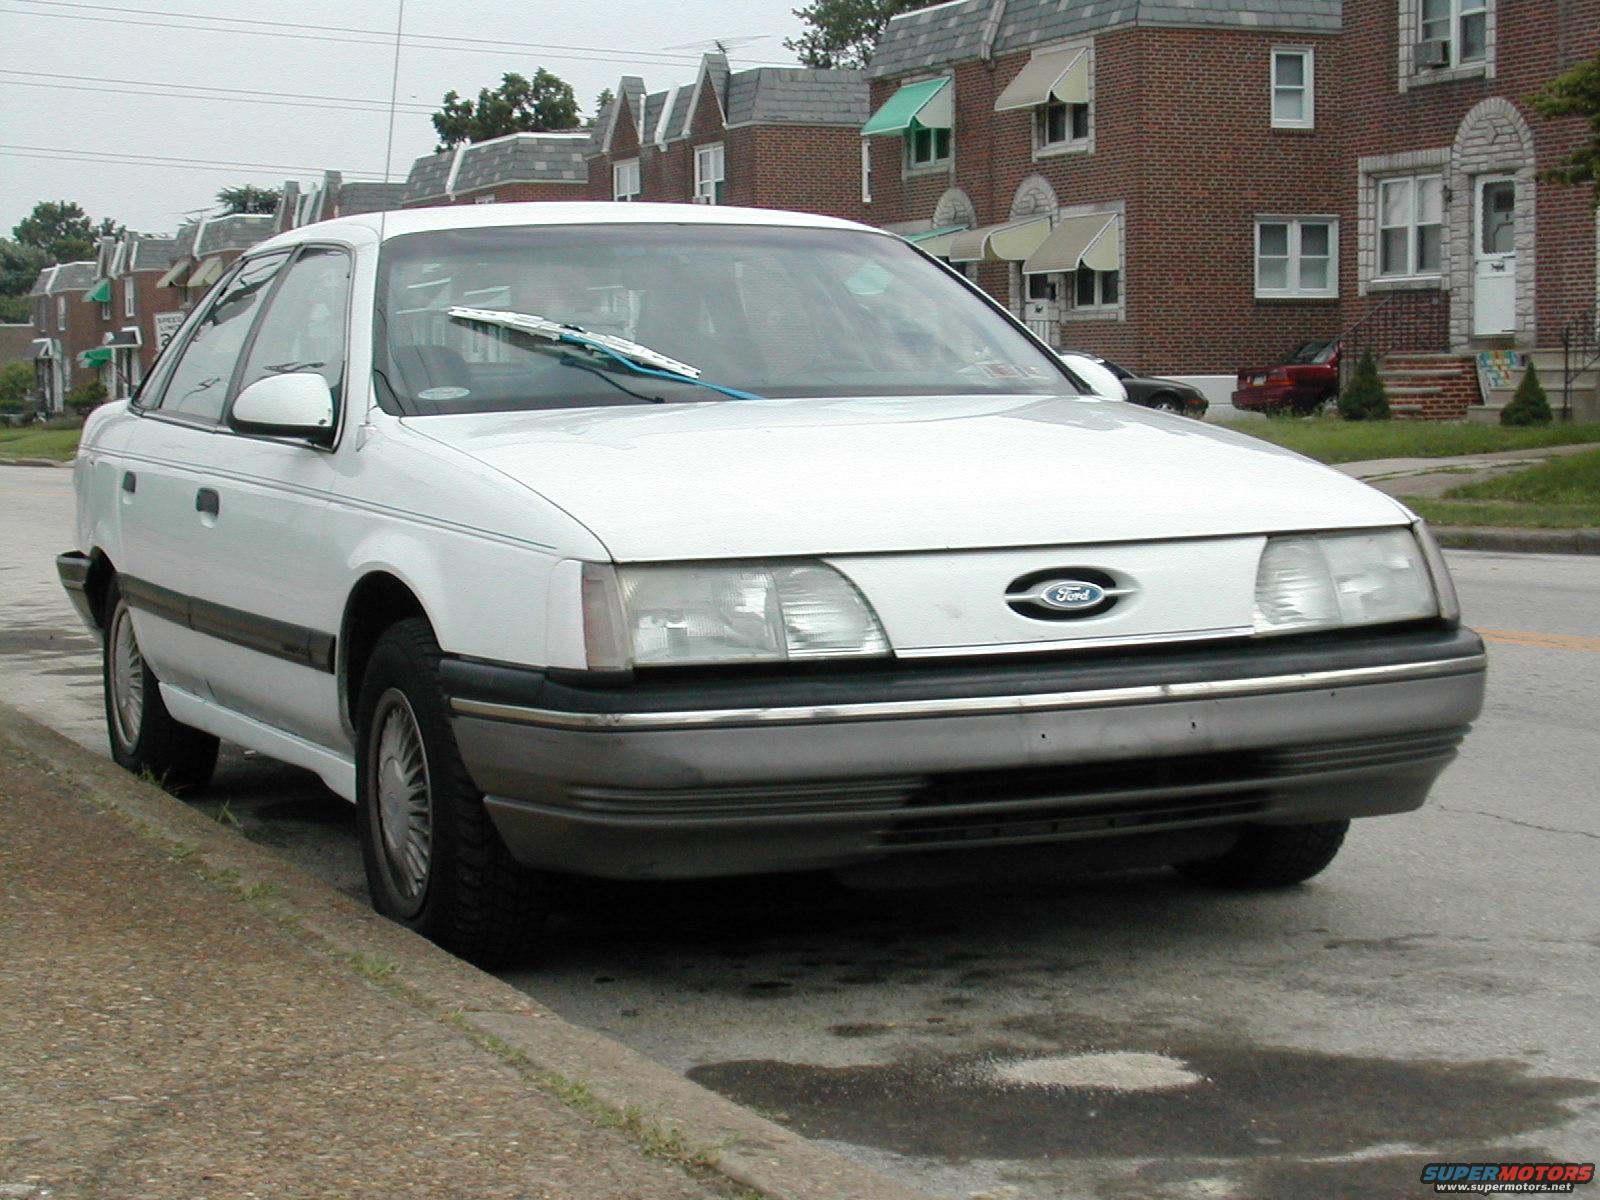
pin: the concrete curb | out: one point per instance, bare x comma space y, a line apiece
748, 1150
1519, 541
32, 462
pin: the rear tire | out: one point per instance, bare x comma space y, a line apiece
1167, 402
433, 859
1271, 856
144, 736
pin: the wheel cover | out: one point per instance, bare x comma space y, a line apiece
127, 678
404, 799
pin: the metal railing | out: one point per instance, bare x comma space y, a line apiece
1580, 352
1393, 323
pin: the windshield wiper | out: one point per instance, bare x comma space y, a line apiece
641, 360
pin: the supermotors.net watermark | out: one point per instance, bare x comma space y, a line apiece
1484, 1179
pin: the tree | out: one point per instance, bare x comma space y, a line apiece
60, 228
16, 381
1365, 399
600, 102
843, 33
20, 265
1575, 94
87, 397
1529, 405
518, 105
109, 228
248, 198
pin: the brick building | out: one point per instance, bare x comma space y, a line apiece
132, 313
505, 170
203, 249
331, 198
1193, 189
65, 329
766, 137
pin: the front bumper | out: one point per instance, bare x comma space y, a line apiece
73, 570
697, 778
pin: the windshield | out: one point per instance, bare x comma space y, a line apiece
769, 311
1314, 352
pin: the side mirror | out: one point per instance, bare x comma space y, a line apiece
297, 405
1099, 378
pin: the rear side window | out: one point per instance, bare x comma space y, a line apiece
304, 327
198, 383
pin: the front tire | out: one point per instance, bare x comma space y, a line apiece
1271, 856
144, 736
433, 859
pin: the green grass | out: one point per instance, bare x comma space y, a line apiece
1563, 493
39, 442
1334, 441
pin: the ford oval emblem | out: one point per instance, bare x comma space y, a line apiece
1071, 595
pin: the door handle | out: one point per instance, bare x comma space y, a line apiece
130, 482
206, 500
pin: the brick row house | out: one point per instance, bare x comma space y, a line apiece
510, 169
1194, 189
63, 331
765, 137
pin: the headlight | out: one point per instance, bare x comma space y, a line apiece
1330, 580
724, 613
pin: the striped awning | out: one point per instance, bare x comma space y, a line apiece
205, 274
1093, 240
175, 272
1050, 75
924, 105
1009, 241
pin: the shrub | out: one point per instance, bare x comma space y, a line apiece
86, 397
1529, 405
1364, 398
16, 381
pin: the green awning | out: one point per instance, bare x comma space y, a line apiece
927, 235
100, 293
97, 357
925, 105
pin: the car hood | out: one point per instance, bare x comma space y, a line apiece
812, 477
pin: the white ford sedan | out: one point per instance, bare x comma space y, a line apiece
651, 541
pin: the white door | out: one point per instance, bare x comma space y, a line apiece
1039, 306
1494, 255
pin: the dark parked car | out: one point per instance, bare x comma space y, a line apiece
1155, 392
1306, 382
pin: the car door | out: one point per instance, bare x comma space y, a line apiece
268, 577
159, 460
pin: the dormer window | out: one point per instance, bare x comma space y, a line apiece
927, 147
1061, 124
922, 114
1055, 85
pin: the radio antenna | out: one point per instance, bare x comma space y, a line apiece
388, 159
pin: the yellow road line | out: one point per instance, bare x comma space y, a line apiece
1545, 641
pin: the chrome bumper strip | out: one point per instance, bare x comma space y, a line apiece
962, 706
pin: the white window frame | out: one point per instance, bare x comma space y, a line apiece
488, 198
1457, 12
1413, 268
935, 163
623, 173
1100, 304
710, 158
1308, 87
866, 170
129, 297
61, 313
1293, 290
1044, 144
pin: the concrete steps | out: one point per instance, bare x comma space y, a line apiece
1548, 362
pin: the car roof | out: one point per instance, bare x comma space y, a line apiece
367, 228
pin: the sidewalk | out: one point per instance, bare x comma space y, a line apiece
182, 1015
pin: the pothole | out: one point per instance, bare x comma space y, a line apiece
1117, 1071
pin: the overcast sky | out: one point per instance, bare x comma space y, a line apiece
52, 52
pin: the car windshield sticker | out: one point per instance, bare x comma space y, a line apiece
444, 393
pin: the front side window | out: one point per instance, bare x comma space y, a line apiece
129, 297
304, 329
773, 311
1410, 226
61, 313
1096, 289
708, 174
1461, 27
198, 380
1296, 257
1062, 124
927, 147
1292, 89
625, 180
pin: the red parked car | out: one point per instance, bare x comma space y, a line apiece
1303, 384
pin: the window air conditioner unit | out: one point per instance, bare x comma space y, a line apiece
1435, 52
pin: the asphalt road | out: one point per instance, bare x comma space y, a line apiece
1431, 997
